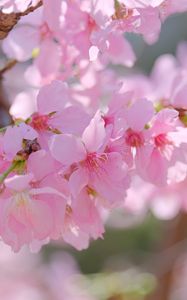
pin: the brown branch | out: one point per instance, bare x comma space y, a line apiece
173, 237
4, 104
30, 9
8, 21
9, 65
5, 118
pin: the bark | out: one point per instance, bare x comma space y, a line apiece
8, 21
173, 247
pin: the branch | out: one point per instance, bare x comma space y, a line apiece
30, 9
175, 236
8, 21
4, 104
9, 65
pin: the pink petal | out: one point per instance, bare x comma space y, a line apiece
87, 216
40, 163
19, 182
40, 218
12, 146
71, 120
110, 180
53, 97
164, 121
150, 24
78, 180
139, 114
48, 68
27, 131
157, 169
77, 238
94, 135
120, 51
53, 13
20, 43
67, 149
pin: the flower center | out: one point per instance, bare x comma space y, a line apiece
94, 160
39, 122
134, 139
108, 120
91, 24
162, 140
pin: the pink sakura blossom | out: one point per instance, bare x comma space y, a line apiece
24, 104
95, 83
56, 114
82, 221
161, 91
33, 38
82, 31
133, 16
128, 124
164, 202
164, 93
87, 164
71, 156
164, 147
103, 172
29, 212
25, 37
172, 91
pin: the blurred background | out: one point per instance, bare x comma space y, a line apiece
140, 256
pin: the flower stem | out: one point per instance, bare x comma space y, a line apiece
8, 171
3, 129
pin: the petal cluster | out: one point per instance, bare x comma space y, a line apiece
64, 166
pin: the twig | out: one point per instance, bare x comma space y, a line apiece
9, 65
4, 104
30, 9
8, 21
8, 171
175, 236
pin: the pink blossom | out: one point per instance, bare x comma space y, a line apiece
94, 167
82, 221
56, 114
29, 212
163, 150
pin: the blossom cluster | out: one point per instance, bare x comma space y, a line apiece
73, 33
62, 166
164, 91
68, 158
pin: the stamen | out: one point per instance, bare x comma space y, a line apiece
134, 139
